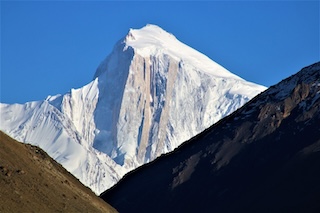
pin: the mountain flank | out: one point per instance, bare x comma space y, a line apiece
265, 157
31, 181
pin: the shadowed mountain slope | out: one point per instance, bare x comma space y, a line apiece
31, 181
262, 158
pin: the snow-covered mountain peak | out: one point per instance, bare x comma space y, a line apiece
149, 35
152, 41
147, 97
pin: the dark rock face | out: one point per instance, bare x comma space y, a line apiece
263, 158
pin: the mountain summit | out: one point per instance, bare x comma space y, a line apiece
147, 97
152, 40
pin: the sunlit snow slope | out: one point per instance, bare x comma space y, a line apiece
147, 97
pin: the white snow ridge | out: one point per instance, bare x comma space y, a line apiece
147, 97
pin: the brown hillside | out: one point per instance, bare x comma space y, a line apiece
31, 181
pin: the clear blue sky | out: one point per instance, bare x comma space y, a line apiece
50, 47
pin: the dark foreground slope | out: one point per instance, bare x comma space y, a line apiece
265, 157
30, 181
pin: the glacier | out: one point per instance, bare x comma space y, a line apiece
147, 97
